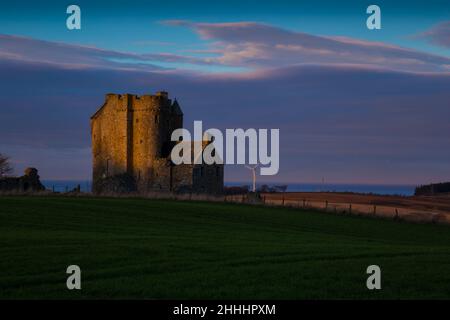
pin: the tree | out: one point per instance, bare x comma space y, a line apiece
5, 166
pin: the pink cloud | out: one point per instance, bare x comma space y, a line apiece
31, 50
261, 45
439, 34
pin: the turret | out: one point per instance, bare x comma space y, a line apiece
177, 115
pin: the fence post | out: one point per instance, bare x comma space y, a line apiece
396, 214
350, 208
326, 205
374, 209
304, 203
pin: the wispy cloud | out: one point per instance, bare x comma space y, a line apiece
439, 34
246, 45
71, 56
261, 45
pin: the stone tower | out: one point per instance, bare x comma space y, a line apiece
131, 146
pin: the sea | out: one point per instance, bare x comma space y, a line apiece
403, 190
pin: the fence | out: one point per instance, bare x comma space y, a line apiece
67, 186
375, 210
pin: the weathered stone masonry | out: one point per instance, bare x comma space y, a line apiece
28, 182
131, 148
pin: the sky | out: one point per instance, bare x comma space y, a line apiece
353, 105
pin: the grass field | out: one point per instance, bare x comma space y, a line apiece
138, 248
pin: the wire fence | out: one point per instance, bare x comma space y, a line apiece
375, 210
67, 186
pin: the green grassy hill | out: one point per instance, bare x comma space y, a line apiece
137, 248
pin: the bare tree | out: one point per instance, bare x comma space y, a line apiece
5, 166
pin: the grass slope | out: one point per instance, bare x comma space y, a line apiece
137, 248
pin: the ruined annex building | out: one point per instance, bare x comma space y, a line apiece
131, 148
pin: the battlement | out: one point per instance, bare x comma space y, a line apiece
132, 102
159, 95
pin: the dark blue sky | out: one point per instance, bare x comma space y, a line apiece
353, 105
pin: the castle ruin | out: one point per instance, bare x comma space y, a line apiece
131, 148
26, 183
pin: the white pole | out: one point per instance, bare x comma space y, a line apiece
254, 179
254, 176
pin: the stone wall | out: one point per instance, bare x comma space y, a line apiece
182, 178
28, 182
208, 178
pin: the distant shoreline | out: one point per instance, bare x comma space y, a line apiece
388, 189
401, 190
